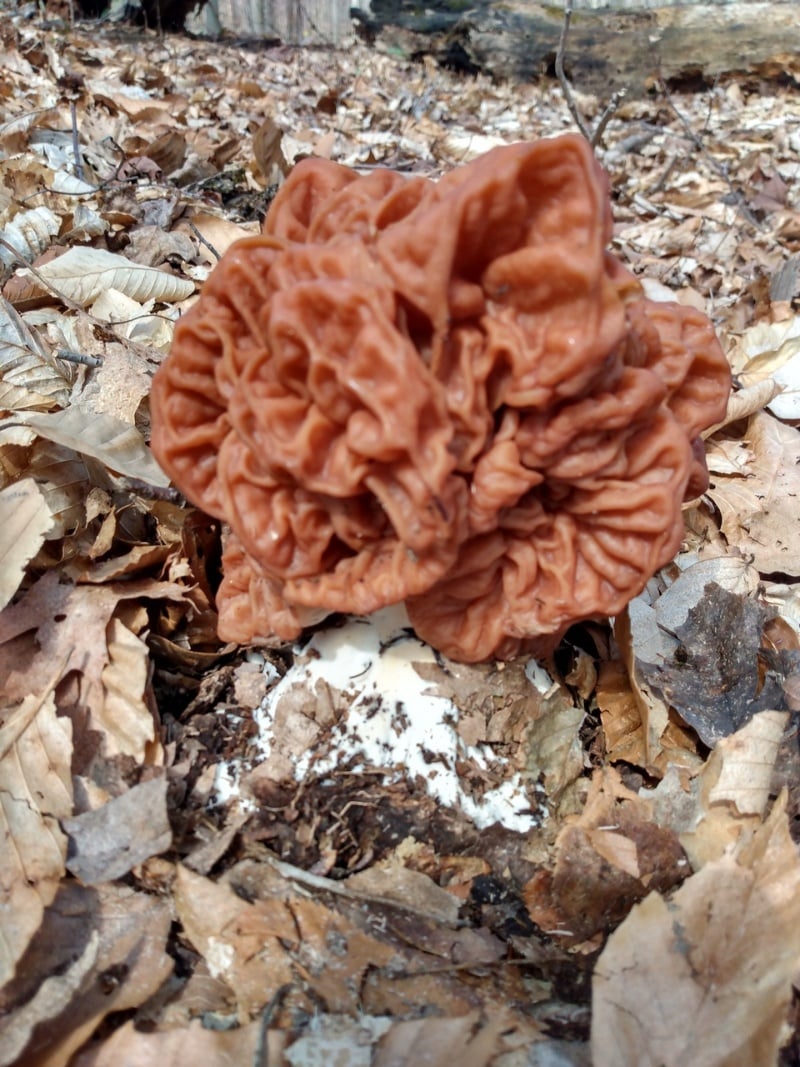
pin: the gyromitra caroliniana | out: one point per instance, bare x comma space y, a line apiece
448, 393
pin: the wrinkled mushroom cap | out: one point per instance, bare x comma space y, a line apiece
448, 393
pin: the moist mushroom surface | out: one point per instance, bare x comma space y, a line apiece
448, 393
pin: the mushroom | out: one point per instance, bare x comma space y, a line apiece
448, 393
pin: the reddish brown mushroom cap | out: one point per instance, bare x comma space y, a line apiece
446, 393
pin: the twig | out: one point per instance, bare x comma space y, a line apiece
78, 357
593, 137
566, 88
76, 145
203, 241
736, 194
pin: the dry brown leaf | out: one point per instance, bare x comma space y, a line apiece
116, 444
25, 519
194, 1044
605, 860
108, 842
469, 1040
259, 947
62, 477
761, 512
82, 274
119, 937
35, 793
29, 377
219, 234
706, 977
57, 623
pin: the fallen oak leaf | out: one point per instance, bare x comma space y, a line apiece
35, 793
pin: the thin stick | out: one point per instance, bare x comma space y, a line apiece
562, 78
76, 145
593, 137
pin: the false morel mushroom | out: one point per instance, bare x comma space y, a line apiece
448, 393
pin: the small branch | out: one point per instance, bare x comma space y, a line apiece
78, 357
566, 88
76, 145
736, 194
203, 241
593, 137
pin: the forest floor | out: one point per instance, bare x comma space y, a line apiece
220, 855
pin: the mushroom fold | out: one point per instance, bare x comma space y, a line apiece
448, 393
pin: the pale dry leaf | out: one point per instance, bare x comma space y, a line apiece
82, 274
746, 402
57, 622
133, 320
35, 793
553, 744
732, 790
469, 1040
27, 235
125, 717
746, 761
116, 444
108, 842
25, 519
771, 351
219, 234
705, 978
130, 929
761, 512
29, 378
393, 881
53, 996
196, 1043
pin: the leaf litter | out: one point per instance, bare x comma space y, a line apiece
351, 847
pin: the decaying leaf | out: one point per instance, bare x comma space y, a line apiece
720, 675
116, 444
35, 793
27, 235
612, 855
107, 842
761, 510
25, 519
82, 274
107, 947
705, 977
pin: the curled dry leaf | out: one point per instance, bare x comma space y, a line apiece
25, 519
29, 377
705, 977
27, 235
123, 935
115, 443
35, 793
107, 842
82, 274
761, 512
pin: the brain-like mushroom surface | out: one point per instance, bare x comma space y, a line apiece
448, 393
